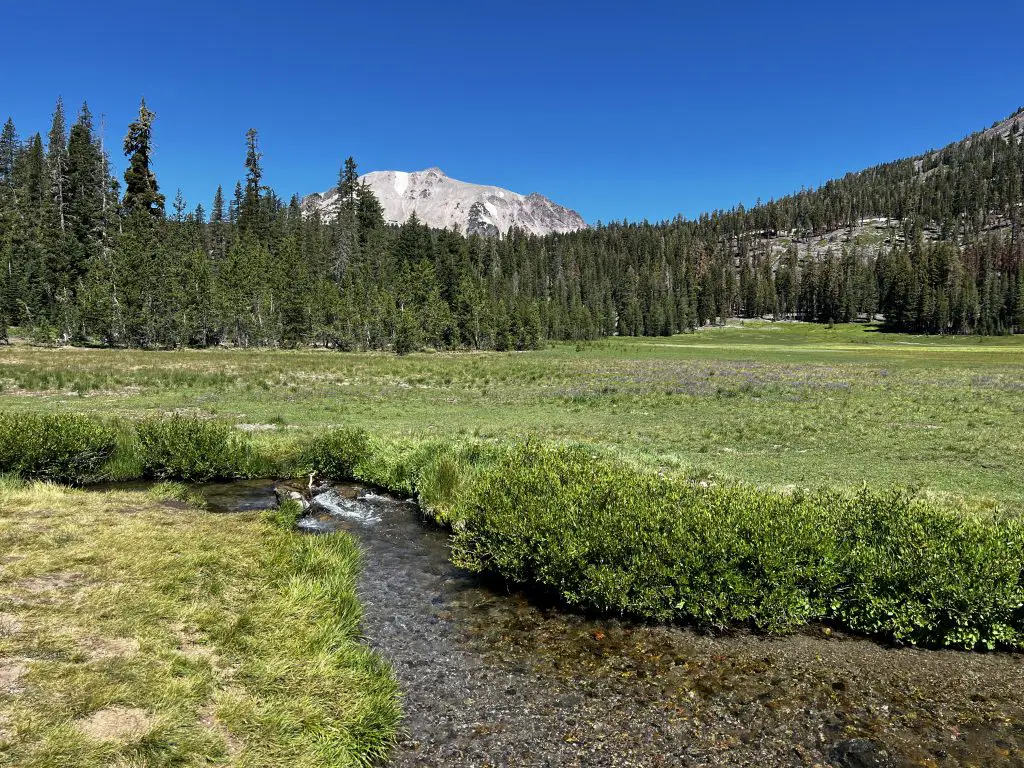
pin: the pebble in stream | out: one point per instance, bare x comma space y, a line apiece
493, 679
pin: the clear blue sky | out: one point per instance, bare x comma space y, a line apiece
620, 110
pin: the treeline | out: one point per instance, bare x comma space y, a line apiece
87, 261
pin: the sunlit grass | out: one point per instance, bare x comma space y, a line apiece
137, 629
775, 404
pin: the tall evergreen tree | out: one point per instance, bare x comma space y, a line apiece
142, 193
8, 151
249, 213
87, 184
217, 211
57, 163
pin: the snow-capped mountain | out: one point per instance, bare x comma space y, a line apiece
446, 203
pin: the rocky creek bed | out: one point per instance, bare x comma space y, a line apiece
494, 678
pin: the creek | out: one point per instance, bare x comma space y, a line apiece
494, 677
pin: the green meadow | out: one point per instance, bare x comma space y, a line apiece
759, 475
771, 404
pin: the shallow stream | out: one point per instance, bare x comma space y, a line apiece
492, 678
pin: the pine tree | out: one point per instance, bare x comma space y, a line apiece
142, 193
348, 183
236, 204
32, 236
219, 226
8, 283
57, 163
406, 337
249, 214
86, 188
346, 223
217, 211
1018, 302
180, 206
254, 171
8, 151
369, 212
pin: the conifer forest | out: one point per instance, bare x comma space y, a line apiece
92, 259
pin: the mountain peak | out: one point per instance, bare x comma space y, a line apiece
442, 202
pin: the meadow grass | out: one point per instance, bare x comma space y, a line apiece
138, 629
771, 404
743, 474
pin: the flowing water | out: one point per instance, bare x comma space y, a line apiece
493, 678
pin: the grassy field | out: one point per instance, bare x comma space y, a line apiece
775, 404
137, 629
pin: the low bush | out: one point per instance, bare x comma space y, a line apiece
616, 539
62, 447
194, 450
919, 573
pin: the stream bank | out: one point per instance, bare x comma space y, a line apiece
493, 678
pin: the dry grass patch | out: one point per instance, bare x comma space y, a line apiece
10, 624
12, 672
122, 724
106, 648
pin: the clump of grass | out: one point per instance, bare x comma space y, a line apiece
448, 473
336, 453
618, 539
396, 463
193, 449
63, 447
169, 490
286, 515
442, 479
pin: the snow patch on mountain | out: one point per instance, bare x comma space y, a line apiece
401, 182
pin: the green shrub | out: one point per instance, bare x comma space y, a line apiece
921, 574
193, 449
612, 538
64, 447
336, 453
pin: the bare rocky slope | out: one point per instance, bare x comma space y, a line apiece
446, 203
871, 235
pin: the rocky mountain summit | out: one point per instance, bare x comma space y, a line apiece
446, 203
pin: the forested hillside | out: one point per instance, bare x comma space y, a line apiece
87, 259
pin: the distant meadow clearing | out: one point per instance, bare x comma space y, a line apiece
772, 404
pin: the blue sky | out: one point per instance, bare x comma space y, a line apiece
619, 110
